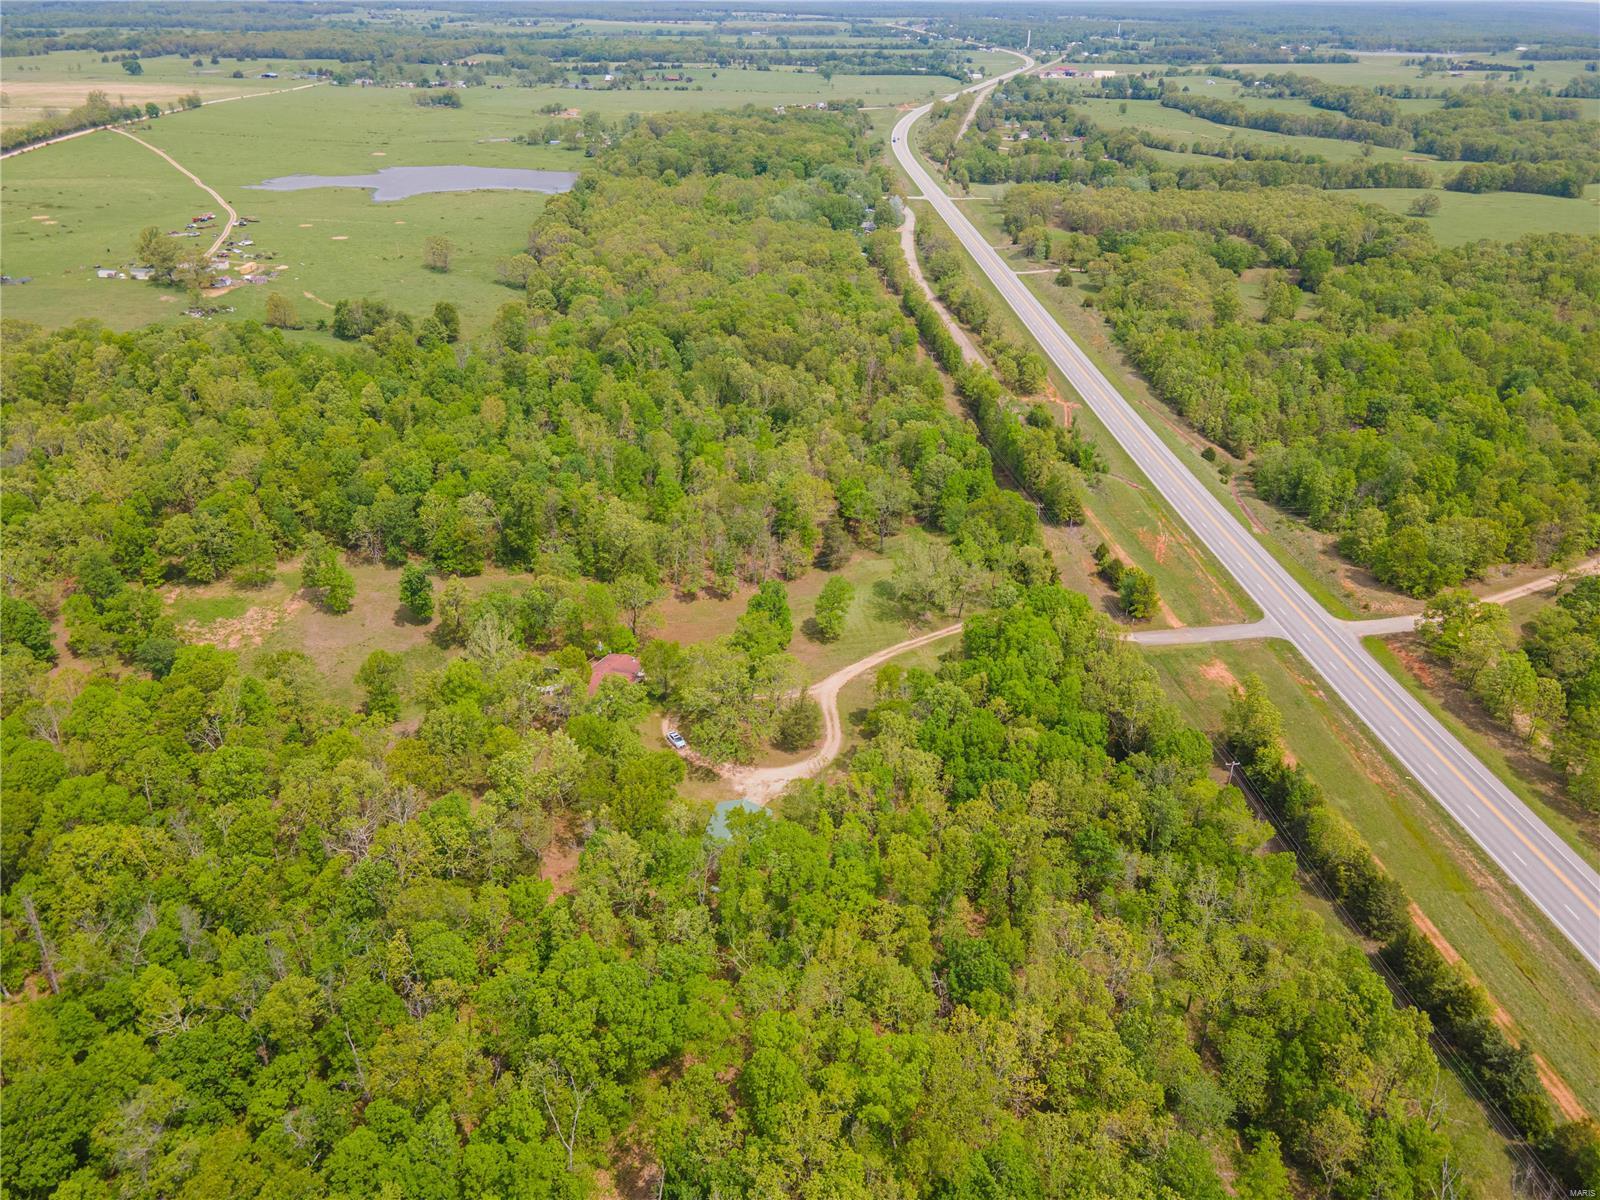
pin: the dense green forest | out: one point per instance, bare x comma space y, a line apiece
1436, 408
1027, 949
1542, 681
691, 365
256, 941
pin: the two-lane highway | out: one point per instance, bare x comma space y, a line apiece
1564, 887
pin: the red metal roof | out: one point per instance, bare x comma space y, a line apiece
625, 665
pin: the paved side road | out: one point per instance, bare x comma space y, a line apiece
1552, 875
1194, 635
1199, 635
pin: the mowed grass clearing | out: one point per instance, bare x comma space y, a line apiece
872, 622
1548, 992
280, 616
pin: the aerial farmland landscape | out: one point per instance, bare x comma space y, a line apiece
628, 600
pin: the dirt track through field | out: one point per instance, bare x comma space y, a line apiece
908, 247
233, 217
763, 784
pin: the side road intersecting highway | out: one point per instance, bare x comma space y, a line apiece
1564, 887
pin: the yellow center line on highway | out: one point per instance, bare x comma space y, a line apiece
1143, 433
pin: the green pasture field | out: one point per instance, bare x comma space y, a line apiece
1375, 69
61, 80
1497, 216
1152, 115
1462, 217
1539, 979
60, 219
336, 242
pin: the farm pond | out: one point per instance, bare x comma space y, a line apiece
398, 183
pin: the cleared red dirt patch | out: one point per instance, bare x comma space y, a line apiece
1563, 1096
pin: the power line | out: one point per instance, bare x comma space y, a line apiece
1535, 1174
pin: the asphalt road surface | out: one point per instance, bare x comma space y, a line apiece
1564, 887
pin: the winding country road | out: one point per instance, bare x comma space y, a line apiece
1547, 870
763, 784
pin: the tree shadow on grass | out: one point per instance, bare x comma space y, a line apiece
813, 631
884, 604
404, 618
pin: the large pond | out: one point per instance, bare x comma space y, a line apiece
397, 183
